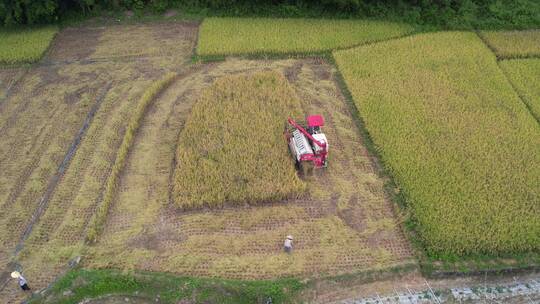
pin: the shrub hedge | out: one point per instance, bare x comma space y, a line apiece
449, 13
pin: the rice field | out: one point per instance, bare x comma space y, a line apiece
232, 147
513, 44
524, 74
344, 224
25, 45
230, 36
456, 137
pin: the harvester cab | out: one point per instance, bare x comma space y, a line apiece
308, 145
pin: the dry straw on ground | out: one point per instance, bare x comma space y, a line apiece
232, 149
100, 216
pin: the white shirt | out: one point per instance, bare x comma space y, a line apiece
288, 243
22, 281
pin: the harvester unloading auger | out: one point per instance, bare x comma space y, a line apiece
309, 148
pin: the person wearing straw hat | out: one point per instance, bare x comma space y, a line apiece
288, 244
22, 281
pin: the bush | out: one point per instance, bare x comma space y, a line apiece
443, 13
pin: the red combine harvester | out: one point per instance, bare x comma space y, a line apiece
307, 146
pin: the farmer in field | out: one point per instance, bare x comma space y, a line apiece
22, 281
288, 244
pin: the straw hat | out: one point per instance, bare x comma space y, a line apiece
15, 274
289, 237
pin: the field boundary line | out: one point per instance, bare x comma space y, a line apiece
498, 60
98, 219
122, 59
521, 97
293, 55
398, 200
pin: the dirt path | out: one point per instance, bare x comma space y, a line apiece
413, 288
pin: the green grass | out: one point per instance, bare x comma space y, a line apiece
455, 136
232, 148
524, 74
25, 45
88, 284
224, 36
513, 44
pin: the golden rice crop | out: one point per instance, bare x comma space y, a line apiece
513, 44
224, 36
524, 74
459, 142
25, 45
232, 147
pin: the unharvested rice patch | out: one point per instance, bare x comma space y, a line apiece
228, 149
25, 45
246, 242
456, 137
513, 44
233, 36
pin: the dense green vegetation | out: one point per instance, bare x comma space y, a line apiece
225, 36
524, 74
513, 44
460, 14
81, 284
25, 45
221, 157
456, 137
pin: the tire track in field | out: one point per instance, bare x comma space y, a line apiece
42, 205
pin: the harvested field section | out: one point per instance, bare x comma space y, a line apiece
344, 225
231, 36
513, 44
74, 43
456, 137
227, 152
118, 84
524, 74
8, 78
160, 39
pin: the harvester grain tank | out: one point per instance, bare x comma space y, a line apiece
308, 145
